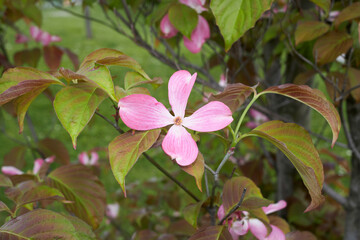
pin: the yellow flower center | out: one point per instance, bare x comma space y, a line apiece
177, 121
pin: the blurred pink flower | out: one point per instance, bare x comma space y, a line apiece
198, 37
258, 118
223, 80
44, 37
240, 223
197, 5
85, 160
167, 28
112, 210
20, 38
143, 112
11, 170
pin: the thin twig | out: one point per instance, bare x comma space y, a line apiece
334, 195
234, 208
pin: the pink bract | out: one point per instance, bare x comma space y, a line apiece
143, 112
167, 28
20, 38
198, 37
44, 37
112, 210
85, 160
10, 170
37, 165
197, 5
240, 223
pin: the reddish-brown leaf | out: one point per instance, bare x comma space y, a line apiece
234, 95
212, 233
55, 147
354, 79
30, 57
300, 235
310, 30
78, 184
349, 13
313, 98
15, 157
328, 47
52, 56
73, 58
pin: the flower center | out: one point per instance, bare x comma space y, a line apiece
177, 121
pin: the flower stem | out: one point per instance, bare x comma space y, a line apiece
236, 139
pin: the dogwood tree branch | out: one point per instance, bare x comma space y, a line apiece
234, 208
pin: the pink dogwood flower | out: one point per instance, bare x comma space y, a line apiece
258, 118
223, 80
44, 37
198, 37
143, 112
197, 5
167, 28
240, 223
112, 210
11, 170
21, 38
85, 160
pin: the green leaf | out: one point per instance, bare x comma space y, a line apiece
107, 56
313, 98
234, 95
328, 47
83, 230
133, 79
4, 207
310, 30
233, 190
191, 213
349, 13
324, 4
80, 185
183, 18
234, 18
212, 233
38, 224
295, 142
100, 76
196, 169
39, 193
75, 106
125, 150
5, 181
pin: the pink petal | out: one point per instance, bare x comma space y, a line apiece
258, 116
94, 158
212, 117
84, 158
257, 228
112, 210
10, 170
274, 207
37, 165
197, 5
233, 234
50, 159
251, 124
143, 112
221, 212
179, 145
20, 38
223, 80
180, 85
167, 28
54, 38
276, 234
240, 227
45, 38
35, 33
198, 36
